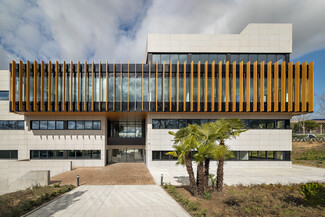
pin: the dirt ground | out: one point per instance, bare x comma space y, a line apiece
114, 174
299, 148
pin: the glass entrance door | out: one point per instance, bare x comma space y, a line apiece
127, 155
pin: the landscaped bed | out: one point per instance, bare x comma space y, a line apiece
308, 154
257, 200
20, 202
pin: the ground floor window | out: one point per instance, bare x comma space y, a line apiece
8, 154
238, 156
126, 155
65, 154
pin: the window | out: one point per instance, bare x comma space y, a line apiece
162, 155
8, 154
12, 125
126, 129
4, 95
59, 125
64, 154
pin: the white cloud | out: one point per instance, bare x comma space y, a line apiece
117, 30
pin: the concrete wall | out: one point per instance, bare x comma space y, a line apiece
17, 175
254, 38
251, 140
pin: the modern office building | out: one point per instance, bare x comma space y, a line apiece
91, 114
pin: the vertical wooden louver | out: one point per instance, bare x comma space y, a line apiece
184, 87
269, 88
35, 87
255, 87
297, 86
71, 85
198, 86
192, 86
28, 86
49, 86
220, 87
56, 86
106, 90
304, 87
283, 86
42, 85
213, 77
163, 87
170, 85
85, 93
78, 87
206, 86
241, 86
248, 86
20, 95
290, 86
227, 87
177, 86
311, 87
234, 86
157, 86
262, 87
13, 85
276, 87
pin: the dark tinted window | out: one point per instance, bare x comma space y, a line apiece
59, 125
88, 125
43, 125
4, 95
35, 125
96, 125
51, 125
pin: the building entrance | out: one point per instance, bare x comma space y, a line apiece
126, 155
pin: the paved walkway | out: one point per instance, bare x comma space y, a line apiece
114, 174
124, 201
246, 176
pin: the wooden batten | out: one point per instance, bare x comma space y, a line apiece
304, 87
85, 93
227, 87
269, 88
276, 87
255, 87
248, 86
42, 85
220, 88
262, 86
13, 85
283, 86
78, 86
206, 86
28, 86
234, 86
213, 71
192, 86
71, 85
35, 87
241, 86
311, 87
290, 86
198, 86
297, 86
20, 88
63, 89
49, 86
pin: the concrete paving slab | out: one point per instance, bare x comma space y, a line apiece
114, 200
246, 176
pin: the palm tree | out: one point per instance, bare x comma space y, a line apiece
184, 143
226, 129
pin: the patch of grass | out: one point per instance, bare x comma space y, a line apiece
20, 202
308, 154
255, 200
312, 155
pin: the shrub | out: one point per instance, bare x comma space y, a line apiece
192, 206
207, 195
201, 213
314, 193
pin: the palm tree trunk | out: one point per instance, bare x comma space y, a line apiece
189, 168
206, 173
220, 171
200, 168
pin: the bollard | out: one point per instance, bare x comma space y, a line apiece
162, 179
77, 180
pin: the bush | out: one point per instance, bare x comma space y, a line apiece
314, 193
207, 195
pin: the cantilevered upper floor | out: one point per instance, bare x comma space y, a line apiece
181, 87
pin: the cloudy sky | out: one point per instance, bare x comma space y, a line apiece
116, 29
